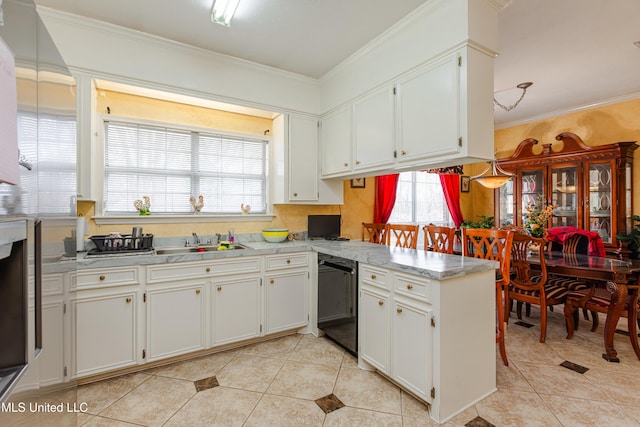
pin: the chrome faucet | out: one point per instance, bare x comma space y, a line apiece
196, 239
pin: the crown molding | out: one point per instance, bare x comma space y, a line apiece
569, 110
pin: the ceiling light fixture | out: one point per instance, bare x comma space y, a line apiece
223, 11
524, 86
497, 178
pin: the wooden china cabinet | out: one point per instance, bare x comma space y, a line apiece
590, 187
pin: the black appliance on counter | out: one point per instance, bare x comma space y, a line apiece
323, 226
338, 300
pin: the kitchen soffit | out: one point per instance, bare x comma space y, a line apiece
579, 53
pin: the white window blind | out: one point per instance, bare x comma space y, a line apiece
169, 165
49, 142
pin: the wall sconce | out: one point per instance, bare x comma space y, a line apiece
223, 11
524, 86
497, 178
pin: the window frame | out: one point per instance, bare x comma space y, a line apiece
98, 175
414, 193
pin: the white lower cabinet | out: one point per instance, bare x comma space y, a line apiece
286, 300
395, 330
51, 359
417, 331
128, 316
374, 328
286, 291
412, 346
175, 319
106, 330
236, 310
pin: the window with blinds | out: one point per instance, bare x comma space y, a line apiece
170, 165
49, 143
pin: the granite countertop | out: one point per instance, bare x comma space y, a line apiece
427, 264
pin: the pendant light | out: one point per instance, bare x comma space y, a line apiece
497, 178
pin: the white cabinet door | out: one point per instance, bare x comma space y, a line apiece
51, 357
235, 309
336, 142
373, 330
373, 130
412, 347
286, 300
428, 122
106, 327
175, 320
303, 158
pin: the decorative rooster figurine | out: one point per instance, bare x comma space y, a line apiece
143, 207
197, 206
245, 209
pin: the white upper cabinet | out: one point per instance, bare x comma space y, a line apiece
303, 158
336, 142
295, 169
438, 114
428, 111
373, 130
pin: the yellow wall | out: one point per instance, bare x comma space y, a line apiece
358, 202
604, 125
125, 105
597, 126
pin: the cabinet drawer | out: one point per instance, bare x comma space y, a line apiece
374, 276
414, 286
107, 277
277, 262
52, 284
194, 270
236, 265
178, 271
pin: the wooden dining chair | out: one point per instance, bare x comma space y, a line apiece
492, 244
598, 300
576, 244
530, 286
403, 235
438, 238
374, 233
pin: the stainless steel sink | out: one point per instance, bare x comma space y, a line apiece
193, 249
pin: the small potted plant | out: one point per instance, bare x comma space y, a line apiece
630, 243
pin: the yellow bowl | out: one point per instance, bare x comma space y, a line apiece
275, 235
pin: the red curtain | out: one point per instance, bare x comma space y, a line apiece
386, 186
451, 189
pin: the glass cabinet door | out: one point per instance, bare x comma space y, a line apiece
531, 190
600, 200
564, 195
506, 204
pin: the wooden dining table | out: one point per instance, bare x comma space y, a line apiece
621, 277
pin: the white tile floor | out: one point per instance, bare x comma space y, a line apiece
275, 383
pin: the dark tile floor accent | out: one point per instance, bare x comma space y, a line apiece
206, 383
574, 367
524, 324
625, 333
479, 422
329, 403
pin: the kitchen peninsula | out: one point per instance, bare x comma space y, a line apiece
426, 320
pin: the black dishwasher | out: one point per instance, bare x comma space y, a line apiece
338, 300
